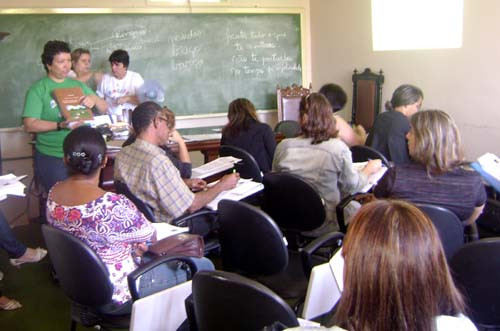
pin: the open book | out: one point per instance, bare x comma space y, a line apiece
214, 167
373, 179
11, 185
68, 100
243, 189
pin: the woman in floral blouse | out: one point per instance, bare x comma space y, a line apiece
108, 222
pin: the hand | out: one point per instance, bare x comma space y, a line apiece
372, 167
229, 181
196, 184
87, 101
70, 124
122, 100
360, 131
140, 248
176, 136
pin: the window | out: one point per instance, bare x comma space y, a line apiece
416, 24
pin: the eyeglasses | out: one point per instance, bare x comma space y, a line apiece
163, 119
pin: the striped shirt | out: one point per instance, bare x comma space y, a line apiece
152, 177
458, 190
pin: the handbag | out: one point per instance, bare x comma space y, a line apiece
185, 244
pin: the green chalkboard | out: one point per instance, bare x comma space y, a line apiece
203, 61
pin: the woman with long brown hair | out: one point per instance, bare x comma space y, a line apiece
395, 273
320, 157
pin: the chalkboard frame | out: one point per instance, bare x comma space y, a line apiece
218, 9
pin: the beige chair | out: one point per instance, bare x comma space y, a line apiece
289, 101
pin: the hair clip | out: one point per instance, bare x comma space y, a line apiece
99, 158
78, 154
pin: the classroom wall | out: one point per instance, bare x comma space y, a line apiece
459, 81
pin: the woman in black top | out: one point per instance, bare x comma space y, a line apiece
246, 132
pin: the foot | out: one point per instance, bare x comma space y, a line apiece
9, 304
31, 255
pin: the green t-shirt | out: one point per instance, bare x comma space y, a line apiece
40, 104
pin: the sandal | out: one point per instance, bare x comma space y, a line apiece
10, 304
37, 256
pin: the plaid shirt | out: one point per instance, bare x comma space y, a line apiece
152, 177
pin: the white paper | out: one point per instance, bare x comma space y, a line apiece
11, 185
373, 179
214, 167
243, 189
490, 164
164, 230
201, 137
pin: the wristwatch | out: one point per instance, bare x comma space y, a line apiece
59, 126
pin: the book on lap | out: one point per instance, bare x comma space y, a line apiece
69, 101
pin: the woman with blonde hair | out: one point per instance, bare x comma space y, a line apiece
436, 174
320, 157
246, 132
80, 68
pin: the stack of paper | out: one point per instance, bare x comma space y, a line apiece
243, 189
373, 179
10, 184
214, 167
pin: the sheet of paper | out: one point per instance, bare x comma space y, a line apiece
373, 179
243, 189
337, 268
201, 137
214, 167
164, 230
490, 164
10, 185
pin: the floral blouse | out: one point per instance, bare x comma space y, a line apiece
110, 225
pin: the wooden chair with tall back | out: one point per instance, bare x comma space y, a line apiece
366, 97
288, 99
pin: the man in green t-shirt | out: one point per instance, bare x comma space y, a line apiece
43, 117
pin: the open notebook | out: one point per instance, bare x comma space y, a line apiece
214, 167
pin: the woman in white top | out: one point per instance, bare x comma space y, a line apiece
395, 273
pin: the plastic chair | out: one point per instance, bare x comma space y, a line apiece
226, 301
247, 167
448, 225
294, 205
289, 128
361, 153
84, 279
476, 270
253, 245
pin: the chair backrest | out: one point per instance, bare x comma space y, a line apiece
293, 203
143, 207
250, 241
247, 167
288, 100
289, 128
448, 225
366, 97
361, 153
226, 301
82, 275
476, 270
